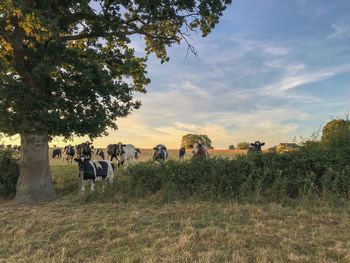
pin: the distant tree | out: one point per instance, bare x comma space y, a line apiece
189, 139
231, 147
243, 145
336, 133
67, 68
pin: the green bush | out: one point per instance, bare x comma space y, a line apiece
310, 172
9, 174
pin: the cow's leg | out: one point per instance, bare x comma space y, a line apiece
93, 186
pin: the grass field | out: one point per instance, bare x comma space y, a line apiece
149, 230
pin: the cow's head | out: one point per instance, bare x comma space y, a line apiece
199, 149
257, 145
82, 162
159, 152
137, 153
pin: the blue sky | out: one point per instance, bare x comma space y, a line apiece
271, 70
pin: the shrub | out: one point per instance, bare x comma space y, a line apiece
243, 145
310, 172
9, 174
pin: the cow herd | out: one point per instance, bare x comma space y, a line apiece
91, 170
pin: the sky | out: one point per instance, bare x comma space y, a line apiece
271, 70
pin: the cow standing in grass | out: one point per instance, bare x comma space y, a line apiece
127, 153
69, 152
57, 152
182, 153
113, 151
92, 171
84, 149
199, 150
160, 153
100, 153
255, 147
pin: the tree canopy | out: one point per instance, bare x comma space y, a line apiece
336, 133
67, 67
243, 145
190, 139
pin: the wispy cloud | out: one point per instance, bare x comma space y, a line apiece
340, 31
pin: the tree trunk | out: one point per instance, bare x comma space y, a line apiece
34, 183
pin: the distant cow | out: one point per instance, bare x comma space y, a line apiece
182, 153
69, 152
255, 147
127, 153
199, 150
113, 150
160, 153
57, 153
91, 171
100, 153
84, 149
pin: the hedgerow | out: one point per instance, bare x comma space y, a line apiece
9, 174
313, 172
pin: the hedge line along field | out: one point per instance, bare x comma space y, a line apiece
112, 226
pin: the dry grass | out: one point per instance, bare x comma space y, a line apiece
68, 231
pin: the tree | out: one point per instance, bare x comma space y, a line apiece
190, 139
231, 147
243, 145
66, 69
336, 133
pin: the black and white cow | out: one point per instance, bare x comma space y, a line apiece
160, 153
127, 153
255, 147
100, 153
84, 149
69, 152
92, 171
57, 152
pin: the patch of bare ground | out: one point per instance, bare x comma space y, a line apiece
144, 231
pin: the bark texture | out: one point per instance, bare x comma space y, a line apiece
35, 182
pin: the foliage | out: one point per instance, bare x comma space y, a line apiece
243, 145
190, 139
309, 172
336, 133
9, 174
66, 67
231, 147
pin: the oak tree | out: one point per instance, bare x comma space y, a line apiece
67, 68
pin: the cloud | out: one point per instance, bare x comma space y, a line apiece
340, 31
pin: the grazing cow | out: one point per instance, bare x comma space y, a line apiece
160, 153
69, 152
127, 153
91, 171
199, 150
84, 149
57, 153
182, 153
255, 147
